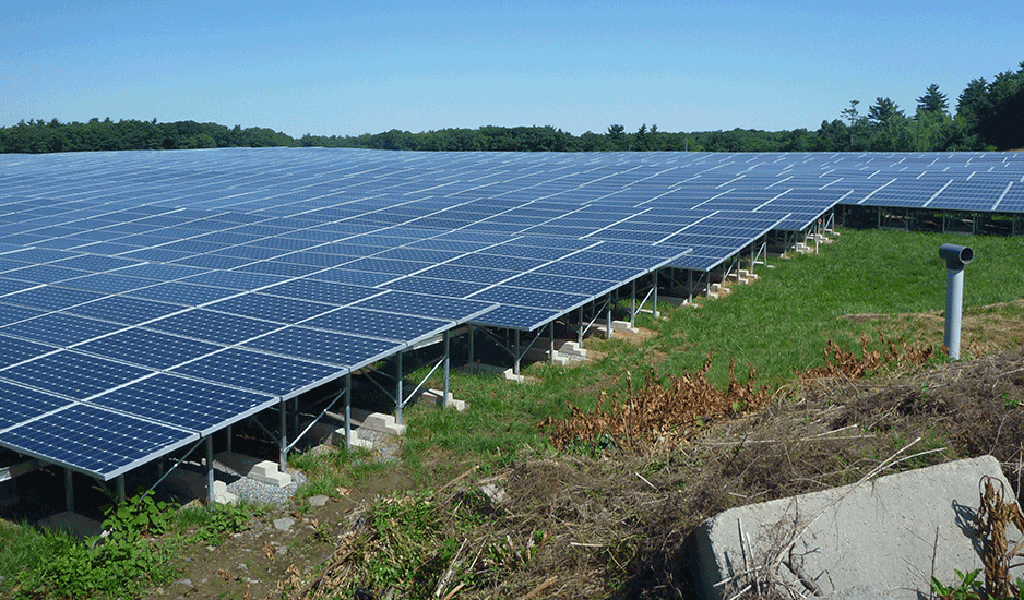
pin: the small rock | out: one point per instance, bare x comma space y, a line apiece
318, 500
495, 493
210, 548
284, 523
252, 581
242, 566
184, 582
282, 550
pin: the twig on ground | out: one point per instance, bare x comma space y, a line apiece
540, 588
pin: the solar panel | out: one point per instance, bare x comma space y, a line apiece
116, 266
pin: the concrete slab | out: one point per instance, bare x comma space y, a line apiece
254, 468
78, 525
881, 534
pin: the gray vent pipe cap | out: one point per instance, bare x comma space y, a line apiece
956, 256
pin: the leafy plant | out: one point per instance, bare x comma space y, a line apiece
140, 516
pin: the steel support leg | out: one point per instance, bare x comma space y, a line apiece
551, 342
517, 355
282, 460
209, 470
69, 490
120, 489
399, 393
348, 409
447, 367
472, 343
228, 441
654, 295
632, 302
608, 318
581, 326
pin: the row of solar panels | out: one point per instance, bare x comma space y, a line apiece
148, 299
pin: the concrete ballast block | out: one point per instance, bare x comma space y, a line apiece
880, 533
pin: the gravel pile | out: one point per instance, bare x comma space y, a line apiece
265, 493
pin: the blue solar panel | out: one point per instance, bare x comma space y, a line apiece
182, 293
277, 309
97, 441
72, 374
216, 327
22, 404
517, 317
425, 306
59, 329
200, 406
544, 299
125, 310
8, 286
150, 349
51, 298
321, 291
374, 323
259, 372
315, 230
13, 350
327, 346
44, 273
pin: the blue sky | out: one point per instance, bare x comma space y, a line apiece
355, 67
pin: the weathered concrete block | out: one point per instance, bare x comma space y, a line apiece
881, 534
254, 468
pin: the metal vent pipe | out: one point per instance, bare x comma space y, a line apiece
956, 257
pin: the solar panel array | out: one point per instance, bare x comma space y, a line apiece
148, 299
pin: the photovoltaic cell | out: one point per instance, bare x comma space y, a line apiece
21, 404
374, 323
259, 372
59, 329
97, 441
149, 349
216, 327
327, 346
14, 350
72, 374
188, 404
125, 310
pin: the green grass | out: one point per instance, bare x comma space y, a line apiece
780, 323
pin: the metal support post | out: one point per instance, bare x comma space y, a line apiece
120, 489
608, 317
209, 470
517, 357
551, 342
581, 327
282, 460
228, 442
632, 303
472, 344
295, 417
689, 285
399, 394
69, 490
348, 409
654, 295
447, 366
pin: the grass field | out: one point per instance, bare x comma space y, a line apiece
895, 281
778, 324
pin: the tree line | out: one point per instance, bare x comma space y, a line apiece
37, 137
989, 115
